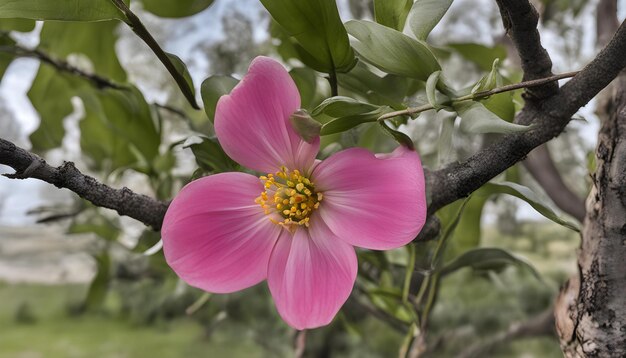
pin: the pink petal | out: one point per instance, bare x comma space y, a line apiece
311, 275
375, 202
215, 237
252, 123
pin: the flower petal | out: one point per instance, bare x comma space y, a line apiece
215, 237
252, 123
311, 275
375, 202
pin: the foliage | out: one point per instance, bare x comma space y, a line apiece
365, 82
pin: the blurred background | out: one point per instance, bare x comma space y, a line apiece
74, 281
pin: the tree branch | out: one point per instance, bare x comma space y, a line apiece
550, 118
124, 201
520, 21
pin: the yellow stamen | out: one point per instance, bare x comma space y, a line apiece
290, 195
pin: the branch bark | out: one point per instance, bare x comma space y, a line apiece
592, 319
550, 117
124, 201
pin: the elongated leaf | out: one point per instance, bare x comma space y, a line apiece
340, 106
5, 58
317, 27
469, 230
531, 198
306, 81
490, 80
445, 146
182, 77
177, 8
425, 15
392, 13
475, 118
431, 89
126, 131
487, 259
212, 89
62, 39
342, 124
483, 56
19, 25
50, 84
211, 157
100, 285
61, 10
392, 51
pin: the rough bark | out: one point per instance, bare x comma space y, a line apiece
592, 315
124, 201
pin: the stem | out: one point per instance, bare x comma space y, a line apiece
63, 66
138, 28
332, 79
483, 94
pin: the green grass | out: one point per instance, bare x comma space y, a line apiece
54, 333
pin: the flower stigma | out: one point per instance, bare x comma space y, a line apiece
291, 195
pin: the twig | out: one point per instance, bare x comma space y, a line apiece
63, 66
299, 344
482, 94
539, 325
138, 28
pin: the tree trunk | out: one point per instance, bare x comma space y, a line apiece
591, 309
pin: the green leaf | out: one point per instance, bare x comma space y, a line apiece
188, 89
475, 118
468, 230
425, 15
5, 58
340, 106
342, 124
19, 25
125, 127
50, 84
484, 259
431, 89
306, 81
391, 51
100, 285
524, 193
307, 128
399, 137
317, 27
212, 89
483, 56
445, 146
97, 224
392, 13
501, 105
61, 10
175, 9
211, 157
490, 80
62, 39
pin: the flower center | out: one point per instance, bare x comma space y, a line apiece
291, 195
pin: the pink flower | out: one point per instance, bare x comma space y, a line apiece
297, 225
